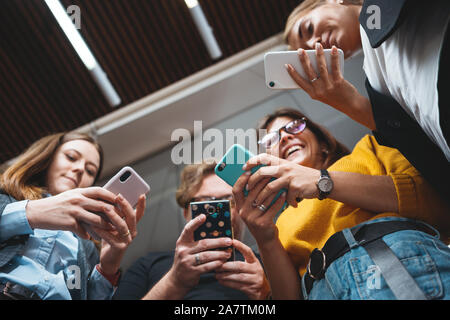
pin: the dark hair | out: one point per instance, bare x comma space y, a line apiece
334, 149
25, 179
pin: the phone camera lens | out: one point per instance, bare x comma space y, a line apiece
211, 209
221, 166
125, 176
272, 84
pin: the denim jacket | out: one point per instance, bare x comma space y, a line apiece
87, 258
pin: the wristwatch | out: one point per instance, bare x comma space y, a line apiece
324, 184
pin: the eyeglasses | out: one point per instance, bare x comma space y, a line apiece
293, 127
210, 198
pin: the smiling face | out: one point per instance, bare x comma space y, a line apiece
330, 24
302, 148
74, 165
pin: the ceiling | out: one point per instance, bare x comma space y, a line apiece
143, 46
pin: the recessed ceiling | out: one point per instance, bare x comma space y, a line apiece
142, 45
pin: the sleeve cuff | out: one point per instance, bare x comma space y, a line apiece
14, 221
406, 193
99, 288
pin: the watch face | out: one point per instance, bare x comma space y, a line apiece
325, 185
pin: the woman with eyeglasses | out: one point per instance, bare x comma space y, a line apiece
341, 203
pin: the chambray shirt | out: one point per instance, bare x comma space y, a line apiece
48, 265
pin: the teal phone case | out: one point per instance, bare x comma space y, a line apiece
229, 169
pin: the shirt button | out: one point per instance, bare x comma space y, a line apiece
49, 240
46, 278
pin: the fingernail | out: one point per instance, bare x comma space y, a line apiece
244, 167
300, 52
119, 196
318, 45
246, 187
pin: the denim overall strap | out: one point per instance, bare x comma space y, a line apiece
401, 283
352, 243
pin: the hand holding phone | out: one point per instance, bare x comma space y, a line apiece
275, 71
230, 169
129, 184
218, 221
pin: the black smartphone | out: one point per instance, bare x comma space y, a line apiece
218, 221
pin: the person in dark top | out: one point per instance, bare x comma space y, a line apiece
406, 49
195, 270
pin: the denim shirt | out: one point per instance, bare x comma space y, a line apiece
51, 263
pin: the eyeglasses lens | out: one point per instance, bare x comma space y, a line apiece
296, 126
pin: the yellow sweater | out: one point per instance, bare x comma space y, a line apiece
310, 225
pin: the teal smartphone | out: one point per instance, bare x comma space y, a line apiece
230, 169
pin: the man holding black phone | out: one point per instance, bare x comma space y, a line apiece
196, 270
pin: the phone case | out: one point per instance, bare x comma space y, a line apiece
276, 74
218, 221
230, 169
130, 188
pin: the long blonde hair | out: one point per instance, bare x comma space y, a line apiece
305, 7
25, 179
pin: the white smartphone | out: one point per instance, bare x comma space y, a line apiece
129, 184
277, 76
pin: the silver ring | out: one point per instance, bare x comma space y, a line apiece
262, 208
197, 259
314, 79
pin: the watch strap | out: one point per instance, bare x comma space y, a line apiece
322, 194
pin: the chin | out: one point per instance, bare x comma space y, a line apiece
59, 189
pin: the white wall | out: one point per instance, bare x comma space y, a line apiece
163, 220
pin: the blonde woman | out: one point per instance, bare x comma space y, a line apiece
406, 55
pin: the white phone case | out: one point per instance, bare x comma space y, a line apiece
277, 76
131, 188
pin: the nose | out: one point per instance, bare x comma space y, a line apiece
311, 43
285, 137
79, 168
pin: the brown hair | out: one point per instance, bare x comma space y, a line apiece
305, 7
191, 179
334, 149
25, 179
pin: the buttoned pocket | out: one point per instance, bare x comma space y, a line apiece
415, 258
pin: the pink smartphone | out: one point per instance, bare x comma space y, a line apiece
129, 184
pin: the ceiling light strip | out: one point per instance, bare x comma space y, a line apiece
83, 51
205, 30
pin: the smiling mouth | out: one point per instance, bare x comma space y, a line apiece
72, 180
292, 149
